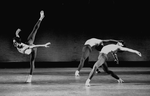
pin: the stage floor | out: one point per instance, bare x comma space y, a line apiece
62, 82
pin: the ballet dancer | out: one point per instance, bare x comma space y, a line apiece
87, 49
29, 48
102, 58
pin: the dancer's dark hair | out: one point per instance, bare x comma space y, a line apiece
17, 39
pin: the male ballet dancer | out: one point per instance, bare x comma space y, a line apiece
29, 48
102, 58
87, 49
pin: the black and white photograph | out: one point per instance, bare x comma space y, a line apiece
75, 48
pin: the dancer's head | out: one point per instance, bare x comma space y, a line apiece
121, 43
16, 40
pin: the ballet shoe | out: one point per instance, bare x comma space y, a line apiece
77, 73
120, 81
29, 79
87, 83
42, 15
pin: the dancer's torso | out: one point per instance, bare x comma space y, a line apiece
109, 48
93, 42
24, 48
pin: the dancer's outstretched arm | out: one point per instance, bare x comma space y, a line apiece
40, 45
109, 40
17, 32
130, 50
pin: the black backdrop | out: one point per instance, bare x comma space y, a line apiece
69, 23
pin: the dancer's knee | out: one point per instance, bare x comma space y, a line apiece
95, 67
83, 58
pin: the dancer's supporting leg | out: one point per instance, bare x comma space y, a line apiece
32, 64
101, 62
105, 68
31, 39
86, 50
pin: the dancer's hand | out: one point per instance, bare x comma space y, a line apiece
42, 15
46, 45
17, 32
115, 57
117, 61
138, 53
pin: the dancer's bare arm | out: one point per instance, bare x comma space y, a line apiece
41, 45
109, 40
130, 50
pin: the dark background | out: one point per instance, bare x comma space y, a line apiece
69, 23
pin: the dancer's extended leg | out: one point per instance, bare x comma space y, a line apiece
105, 68
101, 60
31, 37
85, 54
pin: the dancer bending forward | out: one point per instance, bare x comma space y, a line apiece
87, 49
29, 48
103, 57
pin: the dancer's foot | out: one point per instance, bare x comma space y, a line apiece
29, 79
77, 73
87, 83
120, 80
42, 15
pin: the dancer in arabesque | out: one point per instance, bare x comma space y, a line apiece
29, 48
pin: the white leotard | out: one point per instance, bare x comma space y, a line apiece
92, 42
109, 48
24, 48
